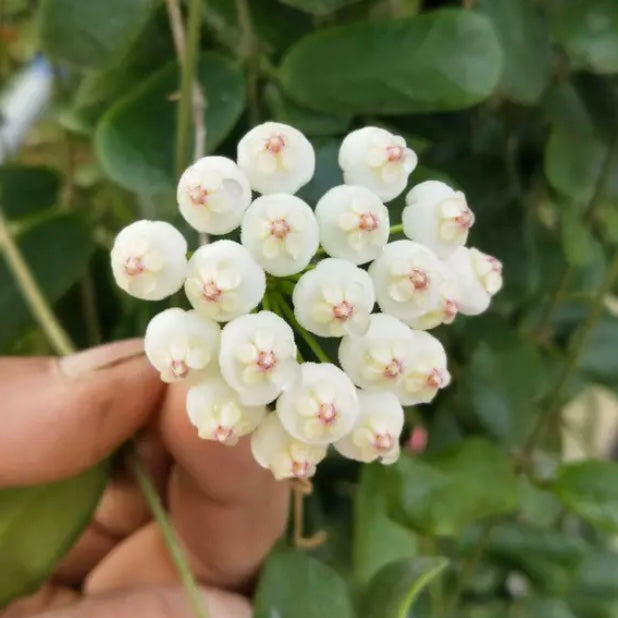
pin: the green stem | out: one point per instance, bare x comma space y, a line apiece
37, 303
188, 66
169, 535
467, 569
397, 228
309, 339
574, 349
266, 305
248, 52
63, 345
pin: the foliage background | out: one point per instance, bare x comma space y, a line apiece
513, 101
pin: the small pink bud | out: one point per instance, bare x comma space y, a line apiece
417, 442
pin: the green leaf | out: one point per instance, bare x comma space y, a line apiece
502, 381
590, 489
578, 241
573, 163
57, 250
295, 585
442, 494
25, 190
378, 539
39, 524
309, 122
327, 172
444, 60
523, 33
393, 590
588, 30
317, 7
91, 34
135, 138
598, 360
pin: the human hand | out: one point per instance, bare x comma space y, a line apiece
69, 414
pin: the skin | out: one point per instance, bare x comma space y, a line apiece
227, 510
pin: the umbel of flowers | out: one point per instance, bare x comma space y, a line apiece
301, 271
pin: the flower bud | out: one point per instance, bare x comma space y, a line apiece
376, 159
321, 406
258, 356
446, 307
281, 232
181, 344
149, 259
213, 194
354, 223
437, 216
224, 281
274, 448
333, 299
479, 277
407, 278
276, 158
392, 357
376, 432
213, 407
417, 442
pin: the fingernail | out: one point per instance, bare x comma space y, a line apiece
101, 357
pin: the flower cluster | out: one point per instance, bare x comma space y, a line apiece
299, 272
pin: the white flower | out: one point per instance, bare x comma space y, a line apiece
285, 456
213, 407
437, 216
224, 281
213, 194
149, 259
321, 406
446, 308
407, 278
281, 232
479, 277
333, 299
181, 344
277, 158
377, 430
354, 223
258, 356
392, 357
378, 160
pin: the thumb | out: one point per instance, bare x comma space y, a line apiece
155, 602
60, 417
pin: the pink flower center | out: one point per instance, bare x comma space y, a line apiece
221, 433
393, 369
368, 222
450, 308
495, 264
419, 279
464, 220
198, 195
343, 311
327, 413
301, 469
211, 291
275, 144
179, 368
279, 228
394, 154
434, 378
133, 266
266, 360
382, 442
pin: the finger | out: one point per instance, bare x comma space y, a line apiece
228, 510
59, 418
121, 511
46, 597
150, 602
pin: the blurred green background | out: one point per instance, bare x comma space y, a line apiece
513, 101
